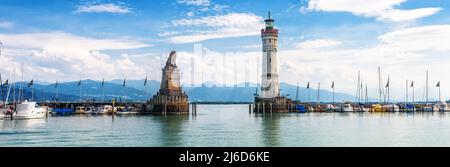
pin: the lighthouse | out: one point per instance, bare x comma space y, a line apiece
270, 99
270, 69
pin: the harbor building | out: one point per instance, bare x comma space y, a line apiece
170, 99
270, 99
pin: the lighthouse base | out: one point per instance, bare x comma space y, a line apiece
279, 104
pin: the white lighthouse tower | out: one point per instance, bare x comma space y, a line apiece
270, 69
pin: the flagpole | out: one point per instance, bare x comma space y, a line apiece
333, 91
439, 90
413, 91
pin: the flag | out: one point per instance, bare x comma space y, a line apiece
387, 84
79, 83
30, 84
332, 85
438, 84
6, 82
145, 81
307, 86
412, 84
124, 80
56, 84
103, 82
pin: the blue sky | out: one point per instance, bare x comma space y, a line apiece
320, 40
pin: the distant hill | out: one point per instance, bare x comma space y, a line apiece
134, 90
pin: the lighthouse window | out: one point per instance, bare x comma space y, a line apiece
270, 60
270, 40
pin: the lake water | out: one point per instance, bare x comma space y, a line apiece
232, 125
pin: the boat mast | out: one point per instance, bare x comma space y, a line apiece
14, 82
426, 89
318, 93
406, 100
21, 88
357, 89
379, 84
412, 85
367, 96
388, 89
296, 93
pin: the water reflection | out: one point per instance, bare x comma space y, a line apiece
271, 129
172, 128
22, 124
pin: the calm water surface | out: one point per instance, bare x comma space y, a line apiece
232, 125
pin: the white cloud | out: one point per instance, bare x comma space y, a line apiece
168, 33
318, 44
6, 24
63, 56
219, 26
381, 9
103, 8
195, 2
424, 38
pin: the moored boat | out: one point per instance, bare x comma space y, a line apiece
80, 110
441, 106
330, 108
62, 111
29, 110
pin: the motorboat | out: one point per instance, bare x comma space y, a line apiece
376, 108
310, 109
29, 110
330, 108
105, 109
80, 110
346, 107
90, 110
62, 111
301, 108
391, 108
126, 110
441, 106
360, 108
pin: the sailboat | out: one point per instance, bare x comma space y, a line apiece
29, 109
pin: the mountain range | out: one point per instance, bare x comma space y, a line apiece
134, 90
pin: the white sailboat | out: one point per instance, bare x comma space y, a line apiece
29, 110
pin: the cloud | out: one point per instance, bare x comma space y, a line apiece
384, 10
195, 2
219, 26
317, 44
424, 38
6, 24
103, 8
58, 55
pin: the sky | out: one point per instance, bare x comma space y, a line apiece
218, 41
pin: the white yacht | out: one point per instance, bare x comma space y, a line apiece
80, 110
29, 110
441, 106
346, 107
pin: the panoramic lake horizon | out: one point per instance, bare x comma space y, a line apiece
231, 126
